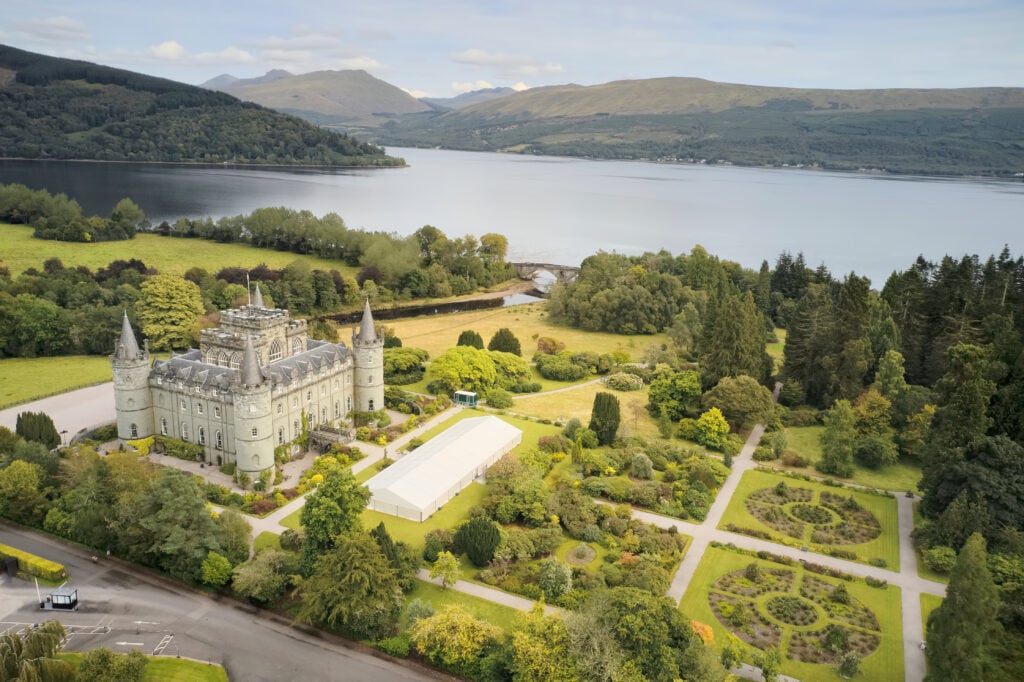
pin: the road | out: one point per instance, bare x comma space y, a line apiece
124, 609
73, 411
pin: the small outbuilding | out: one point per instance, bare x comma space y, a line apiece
419, 484
465, 398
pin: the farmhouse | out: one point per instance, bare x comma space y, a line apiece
420, 483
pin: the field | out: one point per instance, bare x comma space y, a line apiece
579, 401
167, 669
266, 540
496, 614
775, 349
22, 251
436, 334
26, 379
804, 440
796, 521
884, 663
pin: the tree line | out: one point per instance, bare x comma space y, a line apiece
55, 216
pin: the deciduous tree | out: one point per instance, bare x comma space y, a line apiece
331, 510
168, 309
447, 568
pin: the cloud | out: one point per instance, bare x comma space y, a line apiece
469, 86
505, 63
520, 86
365, 63
418, 94
54, 29
172, 50
301, 39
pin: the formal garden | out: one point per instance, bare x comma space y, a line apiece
842, 522
813, 617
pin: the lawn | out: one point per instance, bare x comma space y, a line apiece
436, 334
885, 546
929, 602
266, 540
804, 440
775, 349
21, 251
532, 430
885, 663
579, 401
496, 614
167, 669
26, 379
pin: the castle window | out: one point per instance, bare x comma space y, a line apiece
337, 410
275, 351
216, 410
184, 431
309, 395
280, 436
222, 359
218, 440
183, 405
369, 380
280, 408
255, 432
236, 361
296, 430
323, 414
202, 436
370, 409
134, 430
323, 389
163, 426
295, 401
199, 408
348, 405
296, 346
255, 460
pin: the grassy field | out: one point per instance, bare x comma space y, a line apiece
25, 379
266, 540
21, 251
804, 440
579, 401
775, 349
929, 602
884, 664
496, 614
436, 334
532, 430
885, 546
167, 669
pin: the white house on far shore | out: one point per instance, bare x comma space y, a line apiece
420, 483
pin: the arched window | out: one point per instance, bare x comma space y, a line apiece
184, 431
255, 432
218, 440
163, 426
202, 436
222, 359
280, 436
296, 346
370, 408
134, 430
236, 361
275, 350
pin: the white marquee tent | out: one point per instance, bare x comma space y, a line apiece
419, 484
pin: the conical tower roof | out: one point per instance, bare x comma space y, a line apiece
250, 370
257, 299
367, 332
127, 345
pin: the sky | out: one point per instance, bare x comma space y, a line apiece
444, 47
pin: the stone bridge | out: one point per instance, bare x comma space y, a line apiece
563, 273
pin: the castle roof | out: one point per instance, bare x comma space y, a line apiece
319, 355
127, 345
250, 372
188, 369
367, 332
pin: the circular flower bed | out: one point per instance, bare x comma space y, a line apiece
804, 514
813, 513
792, 610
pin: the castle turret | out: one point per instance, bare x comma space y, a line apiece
257, 299
133, 402
254, 428
368, 358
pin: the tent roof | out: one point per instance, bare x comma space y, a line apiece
422, 476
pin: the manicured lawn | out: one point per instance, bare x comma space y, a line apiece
775, 349
266, 540
436, 334
496, 614
532, 430
804, 440
571, 544
20, 251
578, 402
26, 379
454, 512
929, 602
883, 664
167, 669
885, 546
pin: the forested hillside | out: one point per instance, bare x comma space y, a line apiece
954, 132
53, 108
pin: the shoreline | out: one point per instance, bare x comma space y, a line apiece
211, 164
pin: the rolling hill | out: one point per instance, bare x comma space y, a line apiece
52, 108
467, 99
323, 97
971, 131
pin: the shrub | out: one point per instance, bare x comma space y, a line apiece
499, 398
291, 540
763, 453
792, 459
559, 367
878, 562
526, 387
554, 578
418, 610
553, 444
641, 467
395, 646
35, 565
803, 416
939, 559
753, 572
478, 538
620, 381
875, 582
839, 594
437, 541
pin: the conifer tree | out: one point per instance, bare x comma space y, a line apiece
964, 627
470, 338
505, 341
838, 440
605, 417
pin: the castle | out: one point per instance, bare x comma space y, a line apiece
245, 390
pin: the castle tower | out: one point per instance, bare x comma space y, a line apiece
368, 358
254, 427
133, 402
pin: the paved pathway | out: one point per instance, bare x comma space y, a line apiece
489, 593
74, 411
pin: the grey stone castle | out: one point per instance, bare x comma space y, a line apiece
244, 391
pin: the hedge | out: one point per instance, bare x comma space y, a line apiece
34, 565
143, 445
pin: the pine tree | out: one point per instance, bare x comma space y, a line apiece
736, 343
964, 627
505, 341
838, 440
605, 417
470, 338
